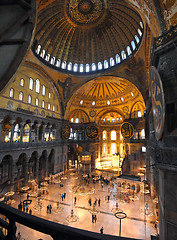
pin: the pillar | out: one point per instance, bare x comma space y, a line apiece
30, 125
12, 130
26, 172
21, 132
37, 133
37, 169
43, 132
1, 129
49, 131
12, 176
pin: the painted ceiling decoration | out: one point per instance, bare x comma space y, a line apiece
88, 36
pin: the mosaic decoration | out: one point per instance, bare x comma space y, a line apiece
91, 131
127, 130
66, 131
158, 102
85, 12
92, 113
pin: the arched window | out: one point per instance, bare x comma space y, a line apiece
43, 90
22, 82
63, 65
53, 108
11, 93
38, 49
113, 120
143, 133
139, 114
108, 120
49, 95
47, 57
81, 102
104, 119
133, 45
72, 119
43, 104
137, 39
21, 96
37, 102
141, 24
42, 53
139, 32
104, 135
113, 135
75, 67
93, 67
113, 148
112, 62
129, 52
77, 120
117, 119
93, 103
123, 55
48, 106
100, 66
105, 149
81, 68
69, 66
29, 99
106, 64
16, 136
122, 99
58, 63
52, 61
108, 102
118, 60
87, 68
31, 84
37, 85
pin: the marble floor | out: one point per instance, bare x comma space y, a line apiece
135, 225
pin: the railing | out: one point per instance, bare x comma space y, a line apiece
55, 230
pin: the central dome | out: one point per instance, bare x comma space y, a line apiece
87, 36
85, 12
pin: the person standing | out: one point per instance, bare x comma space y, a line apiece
101, 230
50, 208
75, 199
92, 218
95, 218
99, 201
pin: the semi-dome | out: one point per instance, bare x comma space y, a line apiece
87, 36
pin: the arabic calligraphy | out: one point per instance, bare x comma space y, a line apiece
127, 130
66, 131
91, 131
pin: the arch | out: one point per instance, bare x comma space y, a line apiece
80, 114
5, 168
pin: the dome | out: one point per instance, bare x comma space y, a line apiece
87, 36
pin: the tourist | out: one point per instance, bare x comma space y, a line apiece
47, 208
101, 230
30, 211
75, 199
50, 208
27, 196
18, 236
95, 218
64, 195
99, 201
92, 218
90, 201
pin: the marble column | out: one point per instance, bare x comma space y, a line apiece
1, 129
37, 169
30, 125
37, 132
26, 171
12, 130
21, 132
12, 176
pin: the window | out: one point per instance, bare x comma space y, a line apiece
42, 53
75, 67
132, 94
141, 24
100, 66
69, 66
133, 45
139, 32
120, 119
37, 85
104, 119
143, 134
38, 49
49, 95
37, 102
29, 99
43, 90
22, 82
104, 135
122, 99
63, 65
58, 63
112, 62
113, 120
53, 108
93, 103
106, 64
143, 149
113, 148
118, 58
52, 61
129, 52
43, 104
137, 39
87, 68
47, 57
93, 66
72, 119
123, 55
139, 114
31, 84
77, 120
81, 102
117, 119
20, 96
108, 102
11, 93
48, 106
104, 148
81, 68
113, 135
108, 120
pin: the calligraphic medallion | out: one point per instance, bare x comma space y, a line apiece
85, 12
158, 102
127, 130
66, 131
91, 131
